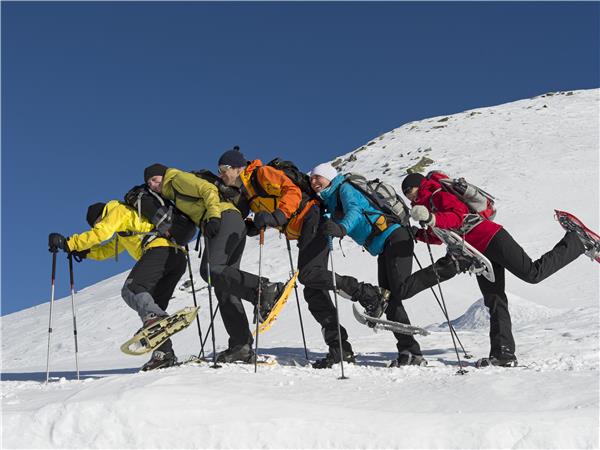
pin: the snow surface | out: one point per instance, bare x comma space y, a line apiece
534, 155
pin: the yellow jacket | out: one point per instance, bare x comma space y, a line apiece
194, 196
116, 218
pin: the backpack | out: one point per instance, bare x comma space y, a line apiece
169, 222
230, 194
383, 197
477, 200
291, 171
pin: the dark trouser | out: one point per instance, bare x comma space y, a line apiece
394, 273
230, 283
151, 282
317, 280
505, 253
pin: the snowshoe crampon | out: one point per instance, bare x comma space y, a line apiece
149, 338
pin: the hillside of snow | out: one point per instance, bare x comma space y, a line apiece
534, 155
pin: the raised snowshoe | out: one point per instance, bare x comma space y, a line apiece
157, 330
273, 303
502, 361
406, 358
465, 255
238, 354
160, 360
386, 325
333, 356
589, 239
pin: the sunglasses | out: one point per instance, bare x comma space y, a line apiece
224, 168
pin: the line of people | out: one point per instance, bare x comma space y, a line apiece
310, 214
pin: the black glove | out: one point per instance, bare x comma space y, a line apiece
57, 242
211, 227
330, 228
412, 230
264, 219
80, 256
251, 228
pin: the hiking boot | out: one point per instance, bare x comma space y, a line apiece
591, 245
239, 353
270, 293
160, 360
503, 361
333, 357
406, 358
462, 262
373, 298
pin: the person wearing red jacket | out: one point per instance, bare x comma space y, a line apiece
433, 206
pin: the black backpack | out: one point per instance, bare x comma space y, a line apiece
169, 222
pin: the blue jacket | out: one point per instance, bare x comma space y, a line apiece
358, 211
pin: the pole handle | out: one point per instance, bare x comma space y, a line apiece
261, 239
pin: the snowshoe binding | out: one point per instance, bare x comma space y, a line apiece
503, 361
238, 354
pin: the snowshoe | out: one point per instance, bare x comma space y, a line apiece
239, 353
386, 325
406, 358
467, 257
589, 239
160, 360
333, 357
275, 302
504, 361
270, 292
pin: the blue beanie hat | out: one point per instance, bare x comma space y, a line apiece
233, 158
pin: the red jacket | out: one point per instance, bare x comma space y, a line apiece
449, 213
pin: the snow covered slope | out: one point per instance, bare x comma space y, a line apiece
534, 155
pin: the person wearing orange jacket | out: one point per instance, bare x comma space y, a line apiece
279, 203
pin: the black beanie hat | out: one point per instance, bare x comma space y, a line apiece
153, 170
233, 158
93, 212
412, 180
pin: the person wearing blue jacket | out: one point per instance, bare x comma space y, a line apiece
353, 215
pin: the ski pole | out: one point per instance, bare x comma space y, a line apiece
187, 254
72, 278
460, 371
297, 298
261, 243
444, 311
54, 251
214, 365
210, 327
337, 311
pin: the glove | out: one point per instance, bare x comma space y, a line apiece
412, 230
422, 215
264, 219
57, 242
80, 256
211, 227
251, 228
330, 228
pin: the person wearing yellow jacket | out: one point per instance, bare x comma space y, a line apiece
160, 264
225, 233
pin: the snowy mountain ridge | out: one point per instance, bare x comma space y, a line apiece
534, 155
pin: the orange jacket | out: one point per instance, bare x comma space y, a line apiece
278, 192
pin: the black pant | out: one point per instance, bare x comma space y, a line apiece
151, 282
505, 253
394, 273
317, 280
230, 283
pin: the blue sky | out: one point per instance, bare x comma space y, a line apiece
94, 92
